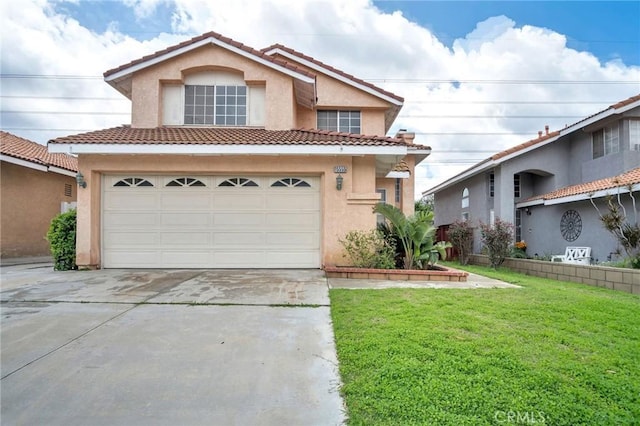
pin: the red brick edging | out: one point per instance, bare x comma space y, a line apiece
445, 274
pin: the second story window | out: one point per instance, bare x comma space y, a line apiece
634, 135
516, 185
215, 105
340, 121
492, 184
605, 141
465, 198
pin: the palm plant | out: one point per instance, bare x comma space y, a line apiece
416, 234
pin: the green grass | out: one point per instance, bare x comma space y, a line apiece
550, 352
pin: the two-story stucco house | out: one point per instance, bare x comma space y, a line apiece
546, 187
237, 157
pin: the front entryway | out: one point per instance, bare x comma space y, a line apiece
241, 221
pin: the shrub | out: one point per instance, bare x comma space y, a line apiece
369, 249
460, 235
497, 240
62, 240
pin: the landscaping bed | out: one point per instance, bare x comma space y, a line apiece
438, 273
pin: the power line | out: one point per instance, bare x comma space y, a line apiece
66, 112
81, 98
489, 116
437, 102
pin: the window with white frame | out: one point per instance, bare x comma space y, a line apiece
465, 198
518, 225
634, 135
339, 121
516, 185
605, 141
215, 105
398, 189
492, 184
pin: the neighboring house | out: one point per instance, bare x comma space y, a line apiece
34, 187
546, 186
237, 157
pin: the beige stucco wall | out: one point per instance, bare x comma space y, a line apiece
29, 199
342, 211
146, 85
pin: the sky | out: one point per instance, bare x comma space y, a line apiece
478, 77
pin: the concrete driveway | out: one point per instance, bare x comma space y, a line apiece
187, 347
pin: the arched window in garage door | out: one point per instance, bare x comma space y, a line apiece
238, 181
186, 181
133, 182
291, 183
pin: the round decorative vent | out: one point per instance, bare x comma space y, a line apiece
571, 225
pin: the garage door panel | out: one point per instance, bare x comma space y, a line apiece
297, 201
238, 219
130, 220
242, 201
185, 238
129, 239
292, 239
191, 200
238, 239
240, 259
186, 220
132, 258
128, 201
306, 220
186, 259
292, 259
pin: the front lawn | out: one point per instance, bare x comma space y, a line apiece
551, 352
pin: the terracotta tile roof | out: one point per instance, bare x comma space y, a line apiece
24, 149
219, 37
224, 136
524, 145
330, 68
631, 177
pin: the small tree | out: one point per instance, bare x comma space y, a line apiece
624, 227
497, 239
62, 241
460, 234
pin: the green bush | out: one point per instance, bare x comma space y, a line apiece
497, 240
460, 235
62, 240
369, 249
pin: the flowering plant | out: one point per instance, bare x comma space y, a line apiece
521, 245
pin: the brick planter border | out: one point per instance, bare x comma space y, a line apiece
443, 274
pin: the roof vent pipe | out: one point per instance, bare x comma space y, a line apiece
539, 133
546, 128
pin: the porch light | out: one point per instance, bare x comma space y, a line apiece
339, 180
80, 179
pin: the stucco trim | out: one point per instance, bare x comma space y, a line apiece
35, 166
213, 149
335, 75
209, 40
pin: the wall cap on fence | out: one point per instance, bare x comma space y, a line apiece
441, 274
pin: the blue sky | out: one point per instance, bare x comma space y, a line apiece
477, 77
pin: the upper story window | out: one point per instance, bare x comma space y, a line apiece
605, 141
340, 121
634, 135
516, 185
215, 105
465, 198
492, 184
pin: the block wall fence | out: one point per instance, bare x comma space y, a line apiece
621, 279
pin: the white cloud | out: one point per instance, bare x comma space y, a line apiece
498, 66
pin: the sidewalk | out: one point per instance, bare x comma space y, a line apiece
35, 260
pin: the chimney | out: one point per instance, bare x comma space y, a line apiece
539, 134
407, 137
546, 129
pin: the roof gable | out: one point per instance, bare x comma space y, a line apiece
120, 77
23, 149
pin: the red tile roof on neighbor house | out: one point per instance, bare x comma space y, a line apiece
332, 69
216, 36
24, 149
632, 177
224, 136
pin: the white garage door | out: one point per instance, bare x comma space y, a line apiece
211, 222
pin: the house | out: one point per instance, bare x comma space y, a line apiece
34, 187
551, 187
237, 157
